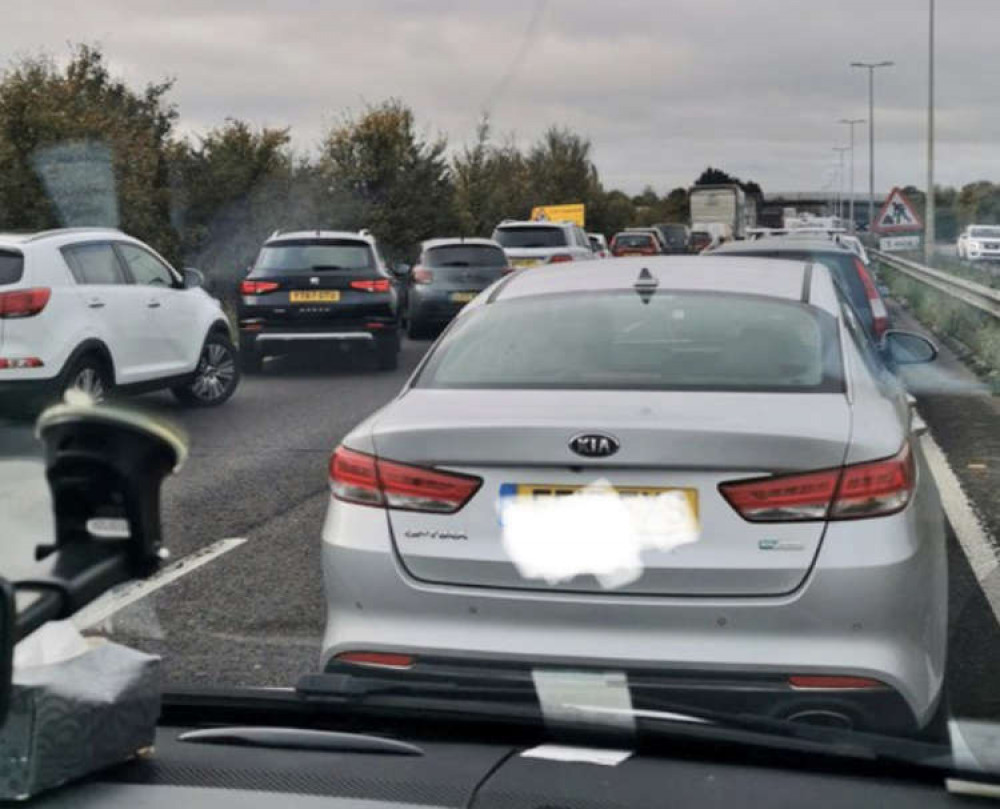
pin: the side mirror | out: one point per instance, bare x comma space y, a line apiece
908, 348
193, 279
401, 270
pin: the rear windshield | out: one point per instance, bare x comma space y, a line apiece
675, 234
314, 255
615, 341
465, 255
530, 237
11, 267
633, 240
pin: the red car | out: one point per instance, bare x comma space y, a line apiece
635, 244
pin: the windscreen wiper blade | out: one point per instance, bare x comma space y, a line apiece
301, 739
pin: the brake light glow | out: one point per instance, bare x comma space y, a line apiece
386, 660
421, 275
880, 316
13, 363
828, 682
356, 477
24, 302
381, 285
560, 258
861, 490
257, 287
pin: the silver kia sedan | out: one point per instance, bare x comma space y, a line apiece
695, 471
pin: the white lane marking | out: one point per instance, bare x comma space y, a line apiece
119, 597
969, 531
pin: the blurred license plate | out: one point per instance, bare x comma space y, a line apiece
315, 296
525, 262
462, 297
539, 490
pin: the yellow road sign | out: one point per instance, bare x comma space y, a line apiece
574, 213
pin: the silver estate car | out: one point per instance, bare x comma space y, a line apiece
695, 471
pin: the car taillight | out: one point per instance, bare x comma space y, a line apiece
860, 490
24, 302
832, 681
387, 660
560, 258
880, 316
257, 287
16, 363
381, 285
422, 275
356, 477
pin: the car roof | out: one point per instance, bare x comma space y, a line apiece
775, 278
770, 244
446, 242
59, 236
296, 235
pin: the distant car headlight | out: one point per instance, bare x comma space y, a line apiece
974, 245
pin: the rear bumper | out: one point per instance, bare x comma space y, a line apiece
265, 337
881, 616
437, 309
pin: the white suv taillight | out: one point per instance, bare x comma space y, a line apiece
870, 489
356, 477
24, 302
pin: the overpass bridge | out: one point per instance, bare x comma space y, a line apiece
821, 203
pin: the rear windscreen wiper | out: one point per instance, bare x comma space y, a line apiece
454, 264
327, 267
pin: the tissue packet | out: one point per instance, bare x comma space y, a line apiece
77, 716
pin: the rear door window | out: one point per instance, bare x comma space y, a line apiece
530, 236
11, 267
94, 264
465, 255
314, 255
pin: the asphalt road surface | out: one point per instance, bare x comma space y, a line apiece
253, 615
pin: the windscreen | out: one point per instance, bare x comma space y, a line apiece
985, 233
612, 341
530, 237
313, 256
11, 267
465, 255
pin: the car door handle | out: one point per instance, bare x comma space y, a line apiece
153, 304
96, 304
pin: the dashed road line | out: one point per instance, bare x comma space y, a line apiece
120, 597
971, 536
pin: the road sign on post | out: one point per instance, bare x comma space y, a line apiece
897, 215
897, 244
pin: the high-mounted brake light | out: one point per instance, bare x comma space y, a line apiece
24, 302
356, 477
257, 287
17, 363
560, 258
880, 315
861, 490
381, 285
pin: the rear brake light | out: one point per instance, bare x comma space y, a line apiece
257, 287
12, 363
384, 659
861, 490
359, 478
371, 286
24, 302
421, 275
880, 316
828, 681
559, 258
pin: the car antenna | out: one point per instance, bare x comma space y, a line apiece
645, 285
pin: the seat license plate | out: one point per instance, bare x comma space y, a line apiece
315, 296
463, 297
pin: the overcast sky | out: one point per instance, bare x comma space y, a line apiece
662, 88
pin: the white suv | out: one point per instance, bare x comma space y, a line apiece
94, 309
979, 243
530, 243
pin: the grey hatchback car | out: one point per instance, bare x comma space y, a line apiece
695, 471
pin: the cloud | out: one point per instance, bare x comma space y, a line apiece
661, 88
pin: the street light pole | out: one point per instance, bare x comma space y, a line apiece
929, 211
840, 180
851, 123
871, 67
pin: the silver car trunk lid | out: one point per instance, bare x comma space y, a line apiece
518, 442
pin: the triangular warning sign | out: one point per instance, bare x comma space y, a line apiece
897, 215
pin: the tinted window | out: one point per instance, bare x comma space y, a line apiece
11, 267
146, 268
676, 235
314, 255
465, 255
94, 264
687, 341
530, 237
